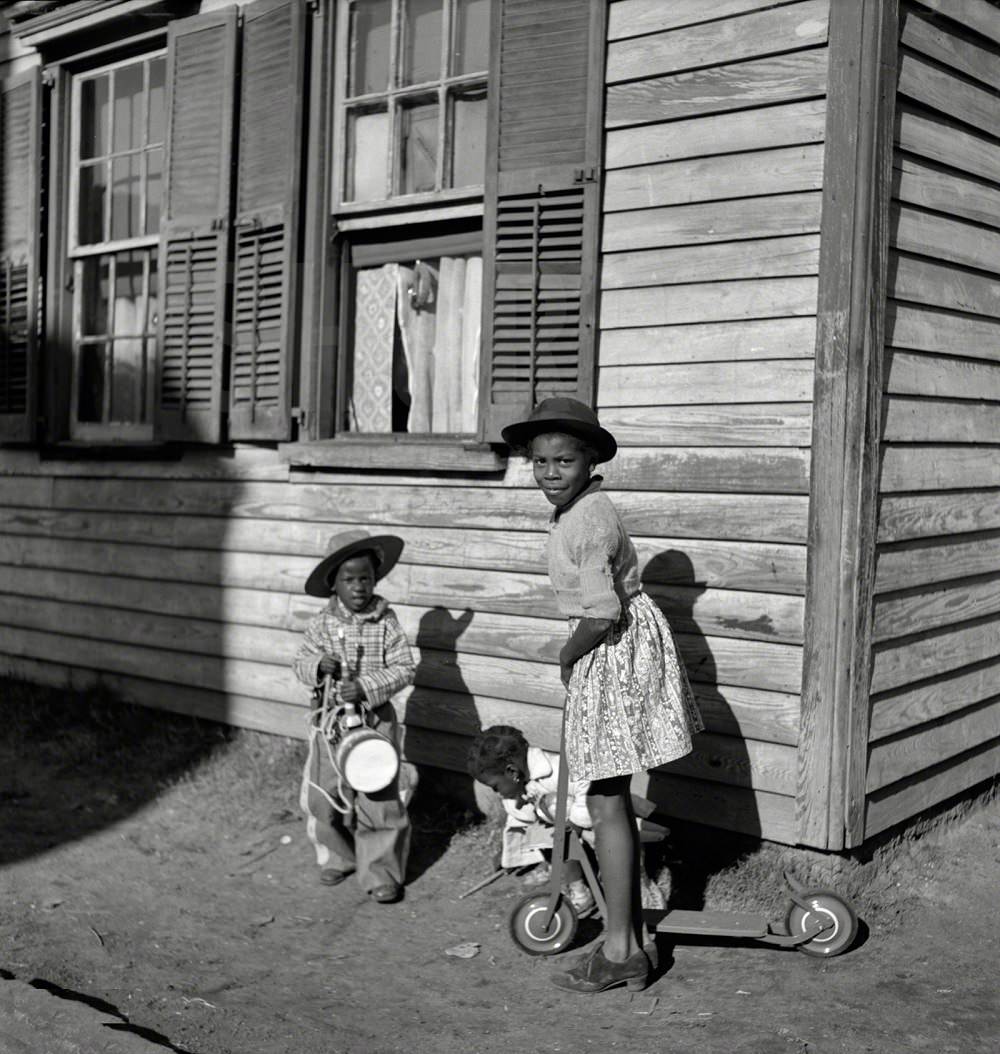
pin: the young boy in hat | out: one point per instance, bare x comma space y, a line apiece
358, 641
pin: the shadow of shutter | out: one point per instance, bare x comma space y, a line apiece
194, 234
542, 205
20, 108
267, 225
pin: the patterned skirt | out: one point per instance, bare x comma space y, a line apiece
629, 706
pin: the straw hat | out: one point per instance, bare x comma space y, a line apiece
386, 547
561, 414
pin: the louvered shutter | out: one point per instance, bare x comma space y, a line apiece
194, 233
266, 220
20, 107
542, 205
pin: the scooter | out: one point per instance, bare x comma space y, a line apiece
817, 921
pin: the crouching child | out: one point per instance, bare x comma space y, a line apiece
358, 642
526, 779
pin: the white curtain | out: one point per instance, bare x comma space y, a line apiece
439, 318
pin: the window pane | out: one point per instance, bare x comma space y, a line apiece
422, 41
157, 78
94, 117
472, 36
154, 189
370, 34
90, 403
469, 161
127, 364
419, 147
94, 297
93, 180
128, 108
125, 200
368, 156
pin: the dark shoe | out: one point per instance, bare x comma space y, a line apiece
596, 973
652, 954
387, 894
330, 876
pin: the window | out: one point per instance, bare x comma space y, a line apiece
116, 180
414, 97
411, 109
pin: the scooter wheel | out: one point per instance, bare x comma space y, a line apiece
528, 929
828, 906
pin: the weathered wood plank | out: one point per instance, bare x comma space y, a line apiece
781, 171
708, 302
738, 86
978, 15
216, 463
761, 129
905, 662
912, 796
755, 339
939, 139
768, 470
945, 238
926, 329
739, 424
630, 18
934, 41
735, 219
940, 90
943, 376
391, 453
757, 813
940, 421
898, 758
764, 258
682, 384
925, 608
943, 285
33, 491
927, 467
742, 763
720, 41
924, 183
927, 515
937, 697
921, 563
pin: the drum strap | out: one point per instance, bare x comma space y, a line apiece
321, 721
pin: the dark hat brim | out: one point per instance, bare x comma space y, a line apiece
320, 582
521, 433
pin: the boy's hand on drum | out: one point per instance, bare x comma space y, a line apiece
351, 692
329, 666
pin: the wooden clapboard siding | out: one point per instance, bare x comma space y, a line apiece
936, 616
715, 121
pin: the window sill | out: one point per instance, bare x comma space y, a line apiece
405, 453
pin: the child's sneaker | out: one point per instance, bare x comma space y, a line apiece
580, 897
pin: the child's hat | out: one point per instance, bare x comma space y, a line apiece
562, 414
386, 549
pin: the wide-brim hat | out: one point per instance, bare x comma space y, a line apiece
562, 414
386, 547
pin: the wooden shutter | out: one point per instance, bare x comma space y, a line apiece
194, 233
20, 108
542, 205
267, 223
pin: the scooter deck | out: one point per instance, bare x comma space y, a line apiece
713, 923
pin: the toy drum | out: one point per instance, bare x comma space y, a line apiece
366, 760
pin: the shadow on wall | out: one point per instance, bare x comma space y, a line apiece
446, 707
720, 764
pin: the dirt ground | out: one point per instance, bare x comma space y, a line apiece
157, 892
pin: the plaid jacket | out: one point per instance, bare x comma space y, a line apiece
373, 647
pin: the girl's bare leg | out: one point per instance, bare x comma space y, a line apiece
617, 844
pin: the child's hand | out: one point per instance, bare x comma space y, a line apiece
329, 666
565, 672
351, 692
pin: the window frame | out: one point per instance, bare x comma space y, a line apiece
74, 255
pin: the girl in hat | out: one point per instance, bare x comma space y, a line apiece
629, 706
358, 641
